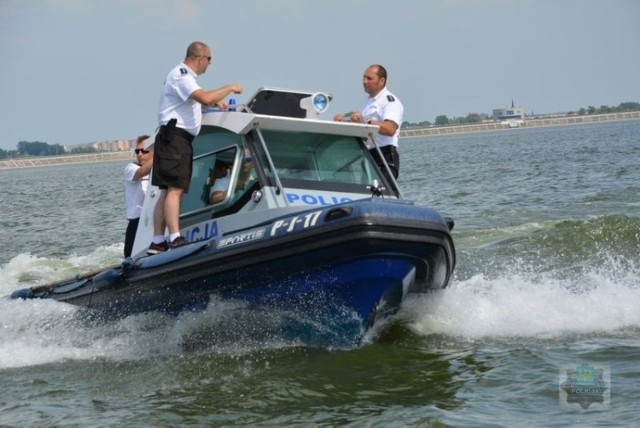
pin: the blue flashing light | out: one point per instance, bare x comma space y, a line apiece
320, 102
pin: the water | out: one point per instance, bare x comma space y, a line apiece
548, 240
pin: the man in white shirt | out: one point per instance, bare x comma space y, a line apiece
383, 109
221, 177
180, 118
136, 183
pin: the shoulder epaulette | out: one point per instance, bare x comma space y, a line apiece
183, 71
390, 98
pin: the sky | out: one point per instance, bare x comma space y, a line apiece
76, 72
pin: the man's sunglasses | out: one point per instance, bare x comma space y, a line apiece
143, 151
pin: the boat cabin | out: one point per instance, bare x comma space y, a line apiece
272, 153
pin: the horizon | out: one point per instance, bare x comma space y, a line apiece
469, 128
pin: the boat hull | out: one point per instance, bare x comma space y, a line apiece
363, 256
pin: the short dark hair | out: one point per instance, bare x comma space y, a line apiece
141, 138
382, 72
222, 164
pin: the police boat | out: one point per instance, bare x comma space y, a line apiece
308, 218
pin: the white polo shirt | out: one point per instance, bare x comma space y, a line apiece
134, 191
175, 102
384, 106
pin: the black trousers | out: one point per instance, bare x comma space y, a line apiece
130, 236
391, 156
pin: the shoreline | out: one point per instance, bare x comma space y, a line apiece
37, 161
123, 155
517, 124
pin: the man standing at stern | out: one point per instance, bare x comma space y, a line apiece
383, 109
180, 118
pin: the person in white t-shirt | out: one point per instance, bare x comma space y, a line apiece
136, 183
221, 178
180, 118
383, 109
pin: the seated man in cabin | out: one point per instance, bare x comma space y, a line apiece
221, 178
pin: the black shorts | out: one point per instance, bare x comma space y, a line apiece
172, 160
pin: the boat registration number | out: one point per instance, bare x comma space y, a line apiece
295, 223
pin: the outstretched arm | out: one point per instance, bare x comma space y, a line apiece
214, 96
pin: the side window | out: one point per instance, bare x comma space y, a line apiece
208, 147
218, 183
207, 170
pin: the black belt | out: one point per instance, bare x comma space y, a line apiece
389, 148
181, 133
184, 134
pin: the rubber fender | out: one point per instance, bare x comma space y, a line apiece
107, 279
24, 294
171, 256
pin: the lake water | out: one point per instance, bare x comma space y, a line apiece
545, 298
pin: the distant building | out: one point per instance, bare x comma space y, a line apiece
509, 113
105, 146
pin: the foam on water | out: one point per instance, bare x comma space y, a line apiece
526, 295
26, 270
600, 300
36, 332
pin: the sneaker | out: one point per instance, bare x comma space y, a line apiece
178, 242
157, 248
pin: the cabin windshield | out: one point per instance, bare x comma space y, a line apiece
318, 161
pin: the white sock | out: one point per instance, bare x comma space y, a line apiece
158, 239
173, 236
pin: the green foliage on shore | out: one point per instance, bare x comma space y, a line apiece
38, 148
628, 106
471, 118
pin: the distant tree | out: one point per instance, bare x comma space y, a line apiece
38, 148
83, 149
473, 118
442, 120
591, 110
582, 111
8, 154
629, 106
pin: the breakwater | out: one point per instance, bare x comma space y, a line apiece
515, 124
37, 161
